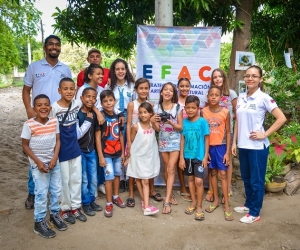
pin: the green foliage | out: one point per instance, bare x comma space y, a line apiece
225, 56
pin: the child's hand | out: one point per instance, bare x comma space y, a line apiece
89, 115
42, 167
182, 163
128, 146
122, 159
102, 161
156, 118
121, 120
52, 163
226, 159
233, 149
205, 162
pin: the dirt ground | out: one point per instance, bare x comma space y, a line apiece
279, 227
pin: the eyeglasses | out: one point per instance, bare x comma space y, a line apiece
251, 76
53, 44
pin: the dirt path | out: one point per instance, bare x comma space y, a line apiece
279, 227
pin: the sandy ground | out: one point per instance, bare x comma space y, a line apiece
279, 227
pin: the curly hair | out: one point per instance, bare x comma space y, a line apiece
113, 78
225, 86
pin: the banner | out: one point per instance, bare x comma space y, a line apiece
166, 54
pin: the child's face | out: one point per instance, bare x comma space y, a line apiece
120, 71
218, 78
67, 90
97, 76
42, 108
144, 115
143, 90
184, 88
214, 96
191, 109
167, 92
108, 103
89, 98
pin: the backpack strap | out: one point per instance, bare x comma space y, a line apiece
65, 116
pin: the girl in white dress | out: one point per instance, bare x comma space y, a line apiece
144, 161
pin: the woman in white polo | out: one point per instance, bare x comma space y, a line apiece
253, 141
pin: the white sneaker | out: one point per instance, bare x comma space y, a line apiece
96, 193
150, 210
241, 209
101, 188
249, 219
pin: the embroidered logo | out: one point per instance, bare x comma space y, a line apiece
252, 106
63, 76
39, 75
272, 101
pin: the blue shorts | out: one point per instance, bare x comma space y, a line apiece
113, 168
216, 157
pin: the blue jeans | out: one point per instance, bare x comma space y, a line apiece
253, 165
113, 168
100, 173
30, 183
89, 177
45, 182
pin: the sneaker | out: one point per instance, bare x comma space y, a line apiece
122, 187
241, 209
143, 205
108, 210
88, 210
29, 203
68, 217
119, 202
96, 207
150, 210
249, 219
58, 222
79, 215
42, 228
101, 189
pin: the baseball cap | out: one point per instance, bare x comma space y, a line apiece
94, 50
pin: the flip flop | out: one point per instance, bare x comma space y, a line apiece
182, 195
228, 216
166, 204
190, 210
211, 196
156, 197
130, 202
199, 216
211, 208
173, 200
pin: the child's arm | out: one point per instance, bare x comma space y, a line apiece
85, 125
41, 166
53, 161
205, 158
226, 158
177, 126
154, 122
98, 143
128, 126
181, 155
235, 134
100, 117
122, 147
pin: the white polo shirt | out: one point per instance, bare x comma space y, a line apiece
44, 79
250, 112
128, 93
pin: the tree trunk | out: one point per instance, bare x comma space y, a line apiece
241, 40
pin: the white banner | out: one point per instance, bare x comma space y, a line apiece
166, 54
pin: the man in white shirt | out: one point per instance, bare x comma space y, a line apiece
42, 77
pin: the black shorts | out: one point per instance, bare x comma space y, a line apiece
193, 167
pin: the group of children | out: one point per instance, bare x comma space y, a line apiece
90, 130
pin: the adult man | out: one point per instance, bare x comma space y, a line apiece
42, 77
94, 56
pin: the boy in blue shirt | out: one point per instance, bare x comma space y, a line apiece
193, 158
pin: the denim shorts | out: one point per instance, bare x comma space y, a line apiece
113, 168
168, 141
216, 157
193, 167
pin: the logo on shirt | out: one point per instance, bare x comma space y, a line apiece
272, 101
252, 106
39, 75
63, 75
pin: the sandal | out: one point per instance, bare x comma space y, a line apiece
156, 197
165, 205
210, 195
190, 210
228, 216
223, 202
173, 200
211, 208
130, 202
185, 196
199, 216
